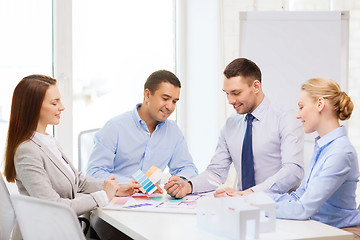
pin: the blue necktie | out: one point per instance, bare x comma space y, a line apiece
247, 158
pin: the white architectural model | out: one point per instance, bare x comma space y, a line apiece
237, 217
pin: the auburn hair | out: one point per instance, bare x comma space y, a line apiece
26, 103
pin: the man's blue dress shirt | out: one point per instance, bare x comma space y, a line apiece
125, 145
327, 193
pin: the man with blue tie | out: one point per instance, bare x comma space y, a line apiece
263, 140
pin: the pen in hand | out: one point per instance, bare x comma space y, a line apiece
182, 181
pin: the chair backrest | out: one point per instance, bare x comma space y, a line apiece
42, 220
7, 215
85, 146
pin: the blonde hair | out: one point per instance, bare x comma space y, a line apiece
330, 90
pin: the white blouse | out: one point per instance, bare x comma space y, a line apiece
49, 142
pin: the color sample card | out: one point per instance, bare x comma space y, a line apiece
141, 198
145, 182
157, 199
154, 174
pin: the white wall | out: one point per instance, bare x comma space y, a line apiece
279, 43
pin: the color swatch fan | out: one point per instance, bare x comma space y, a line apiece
148, 180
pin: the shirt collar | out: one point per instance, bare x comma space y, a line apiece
138, 121
136, 116
259, 112
331, 136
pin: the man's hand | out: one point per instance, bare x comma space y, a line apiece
159, 189
177, 190
127, 189
231, 192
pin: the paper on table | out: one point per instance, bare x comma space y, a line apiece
155, 203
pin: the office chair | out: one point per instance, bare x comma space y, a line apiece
7, 214
85, 146
43, 220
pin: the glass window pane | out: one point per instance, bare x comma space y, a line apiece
25, 47
116, 46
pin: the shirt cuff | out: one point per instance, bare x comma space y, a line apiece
100, 198
259, 188
200, 185
187, 173
105, 196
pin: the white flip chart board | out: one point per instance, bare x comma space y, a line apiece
291, 47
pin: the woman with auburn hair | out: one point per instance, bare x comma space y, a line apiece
37, 164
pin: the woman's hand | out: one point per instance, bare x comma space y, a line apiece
231, 192
111, 186
224, 192
127, 189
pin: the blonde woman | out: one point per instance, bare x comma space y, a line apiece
327, 192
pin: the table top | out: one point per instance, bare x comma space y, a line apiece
147, 225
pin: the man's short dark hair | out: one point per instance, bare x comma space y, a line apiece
154, 80
244, 68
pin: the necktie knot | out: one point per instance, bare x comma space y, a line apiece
249, 117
